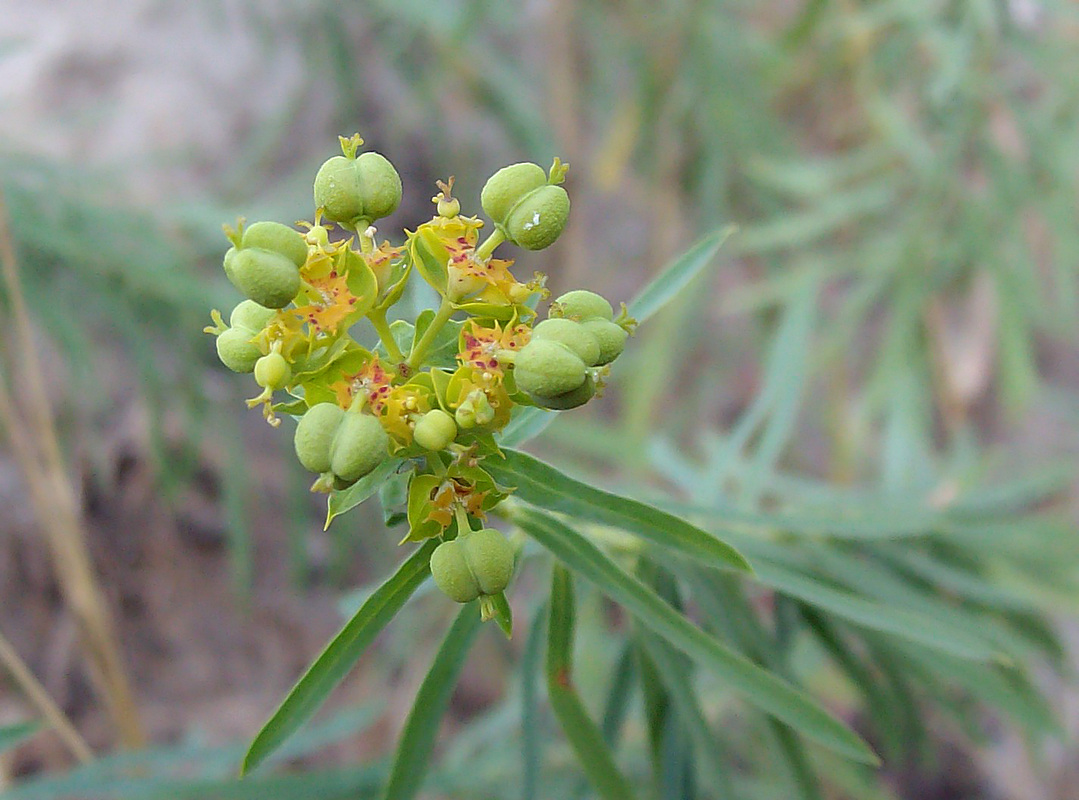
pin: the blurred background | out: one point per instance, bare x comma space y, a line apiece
898, 310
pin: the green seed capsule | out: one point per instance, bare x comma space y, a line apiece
581, 304
315, 435
475, 410
435, 430
251, 316
578, 397
507, 187
272, 371
357, 190
573, 335
268, 278
359, 446
474, 564
277, 238
547, 369
611, 338
539, 218
237, 351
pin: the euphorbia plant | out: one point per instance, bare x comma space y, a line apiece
437, 405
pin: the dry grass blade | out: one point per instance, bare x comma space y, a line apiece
30, 428
37, 695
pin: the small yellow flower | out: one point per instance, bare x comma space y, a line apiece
373, 382
479, 397
454, 492
380, 260
334, 302
402, 406
284, 333
481, 346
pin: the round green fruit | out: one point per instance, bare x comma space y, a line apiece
578, 397
250, 316
611, 338
474, 564
581, 304
267, 277
272, 371
507, 187
359, 190
315, 435
237, 351
276, 238
573, 335
359, 446
435, 430
539, 218
546, 369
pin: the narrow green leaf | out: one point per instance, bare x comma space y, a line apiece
920, 628
13, 735
616, 708
727, 612
657, 711
678, 768
962, 582
802, 228
1033, 486
756, 685
795, 761
676, 677
788, 372
880, 705
531, 752
527, 423
503, 614
421, 729
1003, 688
859, 521
873, 579
675, 277
336, 784
340, 502
581, 732
542, 485
340, 654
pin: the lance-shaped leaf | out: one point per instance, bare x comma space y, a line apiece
347, 499
330, 668
582, 733
754, 684
542, 485
421, 729
676, 277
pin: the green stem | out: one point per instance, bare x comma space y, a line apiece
497, 237
378, 319
420, 348
358, 402
367, 243
463, 525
